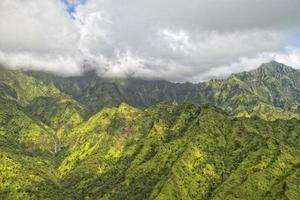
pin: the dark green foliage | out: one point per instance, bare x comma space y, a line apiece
56, 143
56, 112
270, 92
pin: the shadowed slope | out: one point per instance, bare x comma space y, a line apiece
272, 89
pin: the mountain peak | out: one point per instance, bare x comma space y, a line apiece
269, 69
275, 67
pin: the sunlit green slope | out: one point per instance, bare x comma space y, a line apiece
73, 138
27, 165
182, 152
42, 102
168, 151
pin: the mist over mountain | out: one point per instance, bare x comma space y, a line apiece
160, 39
272, 87
149, 100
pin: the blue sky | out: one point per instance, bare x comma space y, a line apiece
72, 5
295, 39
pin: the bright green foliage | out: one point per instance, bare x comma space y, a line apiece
27, 166
17, 85
56, 143
17, 128
168, 151
182, 152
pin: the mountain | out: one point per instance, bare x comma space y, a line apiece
270, 92
167, 151
183, 152
86, 137
275, 84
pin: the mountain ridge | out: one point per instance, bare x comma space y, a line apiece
100, 92
81, 138
130, 153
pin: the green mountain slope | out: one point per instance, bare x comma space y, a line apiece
185, 152
167, 151
270, 92
66, 138
19, 129
17, 85
26, 159
42, 103
57, 113
273, 83
97, 93
272, 89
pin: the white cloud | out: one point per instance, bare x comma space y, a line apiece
36, 26
289, 55
178, 41
64, 64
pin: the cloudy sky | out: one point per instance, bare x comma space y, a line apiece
177, 40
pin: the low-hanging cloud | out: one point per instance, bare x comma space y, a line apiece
162, 39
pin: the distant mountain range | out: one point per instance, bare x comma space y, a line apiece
270, 92
89, 137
